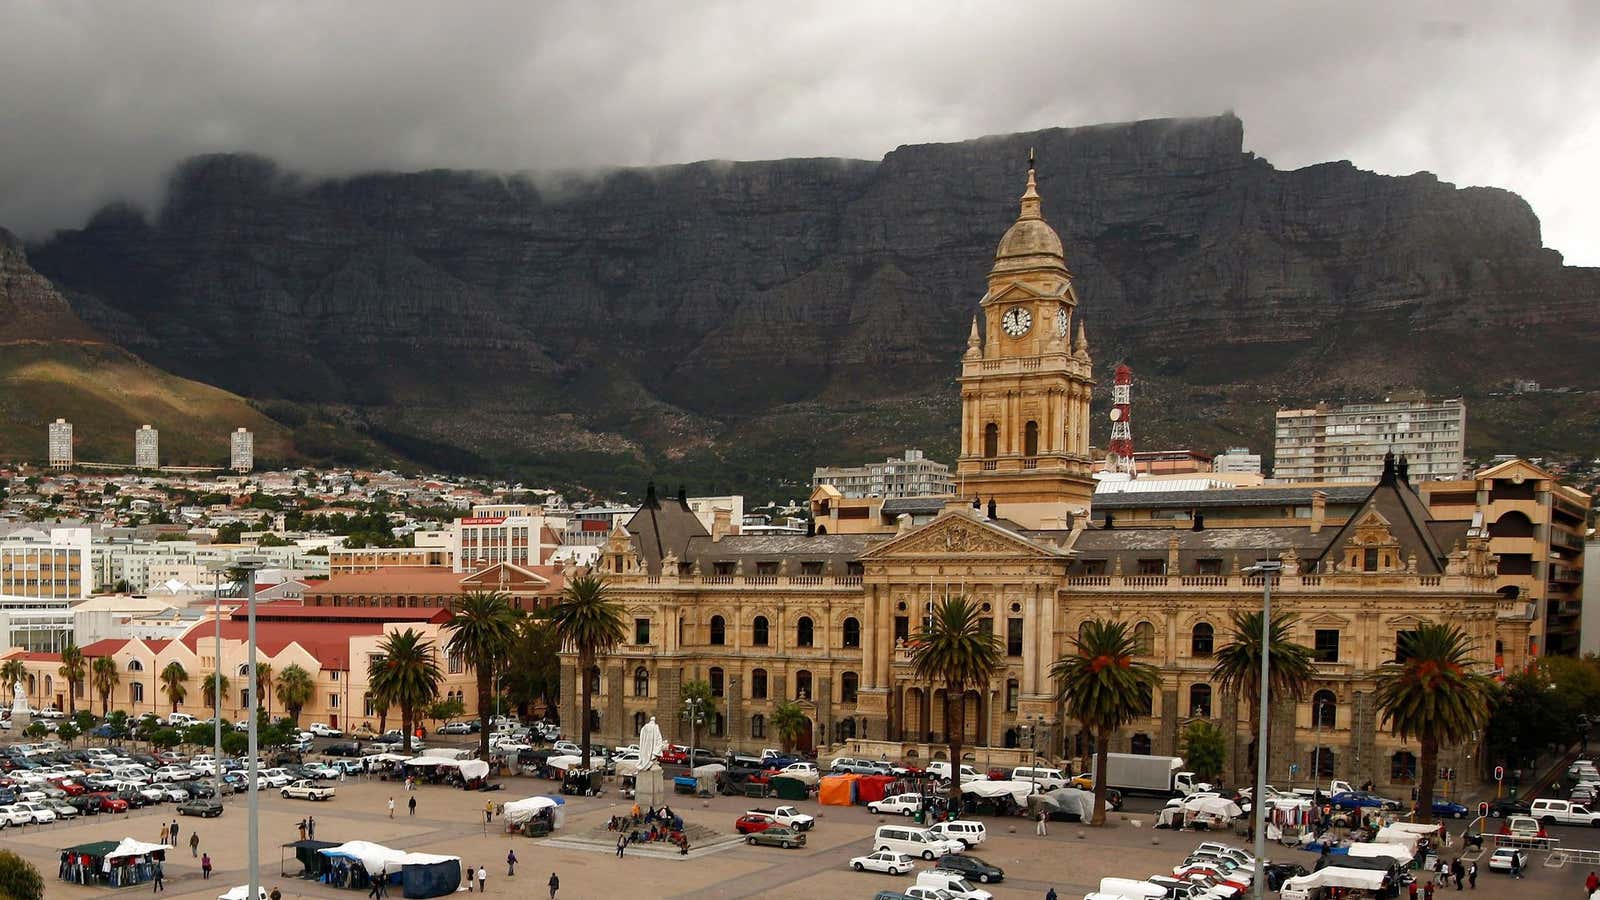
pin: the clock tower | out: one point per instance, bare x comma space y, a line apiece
1026, 381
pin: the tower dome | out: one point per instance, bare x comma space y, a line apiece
1030, 243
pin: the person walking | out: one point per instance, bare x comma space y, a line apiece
488, 812
374, 891
411, 805
194, 844
1592, 883
1039, 828
391, 807
1050, 894
483, 879
1413, 890
1427, 891
622, 844
468, 870
276, 894
160, 878
311, 827
1472, 874
555, 885
205, 865
1459, 870
174, 829
511, 863
302, 826
1516, 865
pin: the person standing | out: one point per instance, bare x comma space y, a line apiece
391, 807
276, 894
468, 870
1039, 828
1516, 865
205, 865
511, 863
622, 844
488, 812
174, 829
1592, 883
483, 879
1472, 874
194, 844
555, 885
411, 805
1427, 891
302, 826
1050, 894
1459, 870
311, 827
1413, 889
160, 878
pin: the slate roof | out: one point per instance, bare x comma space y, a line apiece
913, 505
662, 527
1230, 497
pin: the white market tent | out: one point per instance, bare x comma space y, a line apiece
373, 857
1419, 828
570, 761
1335, 876
1380, 850
243, 891
470, 768
1017, 790
1389, 834
131, 847
520, 811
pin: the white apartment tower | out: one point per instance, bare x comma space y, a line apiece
147, 448
912, 475
1347, 443
61, 444
242, 446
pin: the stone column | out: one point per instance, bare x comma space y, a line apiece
1167, 741
613, 722
822, 695
738, 722
568, 708
669, 704
1364, 761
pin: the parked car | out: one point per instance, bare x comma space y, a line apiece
1362, 800
884, 861
750, 823
777, 836
1564, 812
14, 816
1523, 827
969, 833
1502, 858
1449, 808
111, 803
904, 804
971, 867
345, 748
1500, 809
307, 790
205, 809
321, 730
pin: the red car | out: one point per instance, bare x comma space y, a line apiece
112, 804
1214, 875
675, 755
752, 822
72, 788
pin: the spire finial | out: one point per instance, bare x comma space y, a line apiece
1030, 195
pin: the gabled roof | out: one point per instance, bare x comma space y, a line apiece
104, 647
1408, 519
1509, 467
662, 527
962, 532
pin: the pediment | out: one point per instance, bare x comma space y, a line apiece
1327, 620
1406, 623
1014, 292
959, 532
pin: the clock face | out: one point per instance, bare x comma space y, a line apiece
1016, 321
1061, 323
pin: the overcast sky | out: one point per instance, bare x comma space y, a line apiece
99, 100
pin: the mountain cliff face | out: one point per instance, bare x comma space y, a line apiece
736, 323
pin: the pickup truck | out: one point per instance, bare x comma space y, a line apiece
786, 815
307, 790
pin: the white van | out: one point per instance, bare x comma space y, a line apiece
953, 884
181, 720
1046, 779
1563, 812
913, 841
969, 833
1131, 889
941, 769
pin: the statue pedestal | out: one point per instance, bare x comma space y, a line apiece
650, 788
20, 720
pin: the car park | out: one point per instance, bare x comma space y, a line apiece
971, 867
111, 803
777, 836
41, 812
65, 810
902, 804
886, 861
1504, 858
171, 793
14, 816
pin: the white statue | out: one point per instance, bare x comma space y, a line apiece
650, 744
19, 698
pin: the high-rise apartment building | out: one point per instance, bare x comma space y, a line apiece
242, 447
912, 475
147, 448
1347, 443
504, 532
46, 566
61, 444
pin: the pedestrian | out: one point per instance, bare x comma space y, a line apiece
1592, 883
411, 805
622, 843
488, 812
1472, 874
194, 844
483, 879
311, 827
1050, 894
1413, 890
1427, 891
468, 870
1039, 829
1441, 875
302, 826
276, 894
1459, 870
555, 885
160, 878
374, 891
205, 865
1516, 865
511, 863
391, 807
174, 829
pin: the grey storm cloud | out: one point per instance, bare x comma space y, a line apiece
99, 101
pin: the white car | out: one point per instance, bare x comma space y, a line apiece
172, 773
1501, 860
307, 790
567, 748
884, 861
904, 804
49, 714
328, 731
11, 815
42, 814
172, 794
152, 793
273, 778
923, 892
320, 770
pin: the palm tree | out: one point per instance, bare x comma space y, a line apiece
105, 678
1103, 687
215, 686
12, 672
72, 671
295, 690
483, 630
261, 691
1430, 694
1238, 668
172, 679
590, 623
788, 723
533, 667
954, 648
406, 674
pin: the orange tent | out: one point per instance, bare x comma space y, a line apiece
838, 790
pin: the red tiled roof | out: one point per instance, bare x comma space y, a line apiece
329, 642
31, 656
295, 611
394, 580
105, 647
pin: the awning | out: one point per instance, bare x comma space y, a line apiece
1389, 834
1334, 876
520, 811
1018, 791
373, 857
1377, 850
131, 847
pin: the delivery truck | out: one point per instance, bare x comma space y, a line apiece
1135, 773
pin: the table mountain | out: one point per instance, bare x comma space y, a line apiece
735, 323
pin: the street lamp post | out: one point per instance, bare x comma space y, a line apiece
1266, 569
694, 707
249, 565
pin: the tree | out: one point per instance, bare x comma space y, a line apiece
956, 650
84, 720
1103, 687
404, 673
789, 723
261, 691
295, 690
72, 671
445, 710
103, 675
483, 629
1205, 746
198, 735
590, 623
533, 667
12, 672
36, 730
166, 738
1431, 695
68, 732
234, 743
1238, 667
213, 687
172, 679
19, 880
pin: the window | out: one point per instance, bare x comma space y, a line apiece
1152, 567
1200, 641
1326, 645
1369, 560
244, 698
1144, 639
849, 683
594, 682
367, 709
722, 568
639, 721
1140, 744
766, 568
811, 567
454, 663
1200, 700
802, 685
852, 632
719, 725
1030, 439
641, 631
1208, 567
1322, 762
1403, 767
1011, 695
136, 666
991, 441
1324, 709
716, 678
803, 632
902, 628
136, 692
758, 684
641, 682
758, 631
1402, 645
719, 631
758, 726
333, 701
1014, 637
1147, 701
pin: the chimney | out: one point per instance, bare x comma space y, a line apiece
1403, 471
683, 496
1319, 511
992, 513
1387, 478
1111, 521
1199, 522
650, 501
721, 526
811, 528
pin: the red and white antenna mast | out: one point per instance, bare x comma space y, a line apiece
1120, 455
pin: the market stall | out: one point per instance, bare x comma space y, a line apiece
241, 892
534, 816
425, 875
310, 862
787, 788
838, 790
1396, 852
111, 864
1393, 834
872, 788
466, 773
353, 864
1349, 882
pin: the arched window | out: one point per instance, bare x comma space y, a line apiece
136, 666
758, 726
1201, 640
136, 692
991, 441
1324, 710
758, 631
1403, 767
1030, 439
1147, 701
1512, 524
244, 668
802, 685
1200, 700
1322, 759
639, 720
716, 681
594, 682
852, 632
803, 632
758, 684
719, 631
641, 682
849, 683
1144, 639
1083, 630
1140, 744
